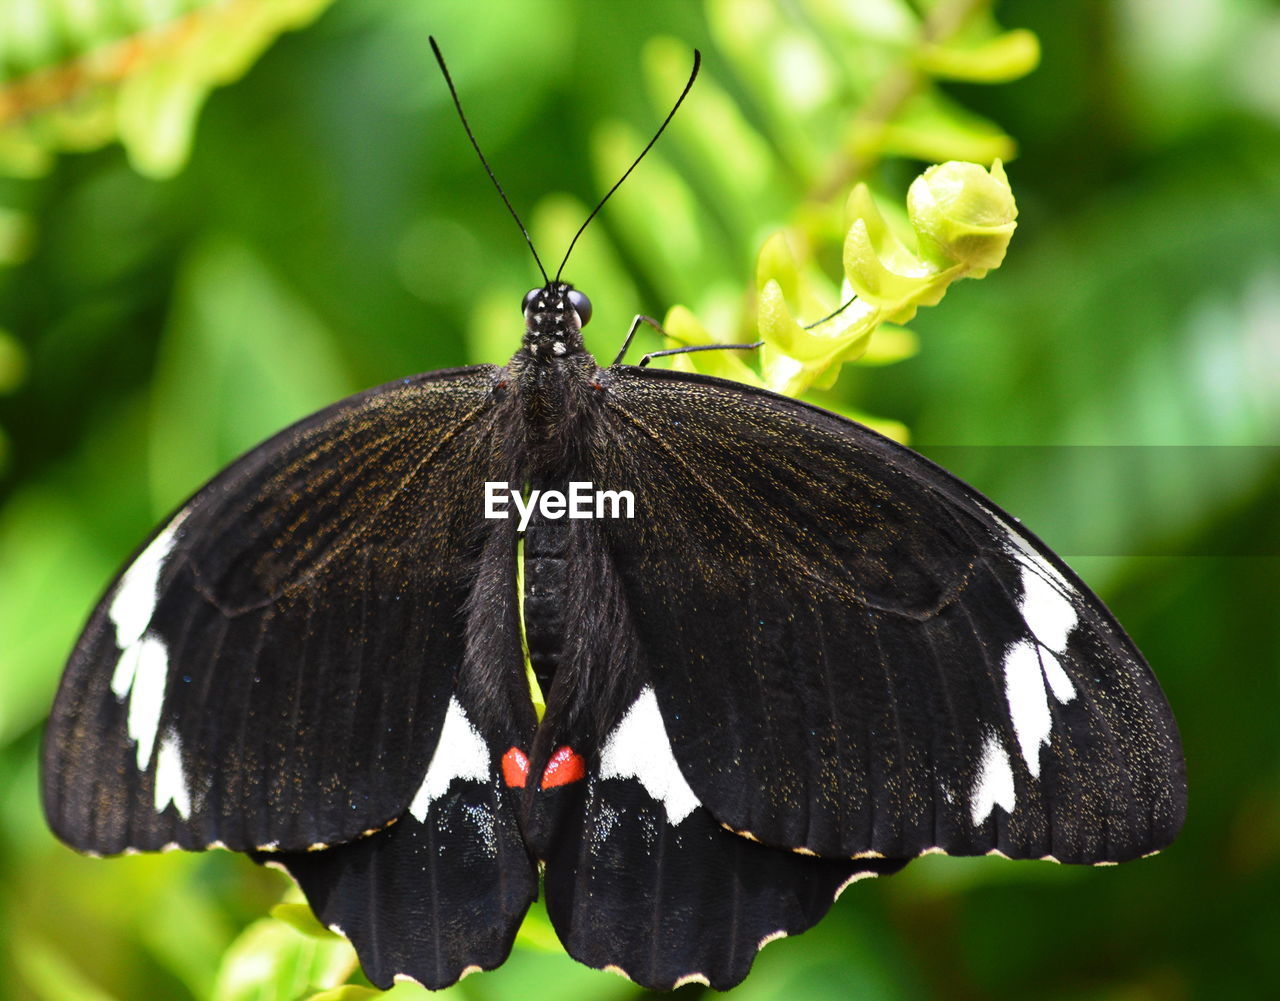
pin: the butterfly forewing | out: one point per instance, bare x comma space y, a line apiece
855, 653
274, 667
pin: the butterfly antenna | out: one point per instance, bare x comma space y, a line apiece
693, 75
489, 170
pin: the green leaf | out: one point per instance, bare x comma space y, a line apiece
877, 234
932, 127
684, 330
872, 278
891, 344
272, 961
1005, 57
187, 933
302, 919
536, 932
776, 264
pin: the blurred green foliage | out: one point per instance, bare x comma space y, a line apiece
1116, 383
78, 74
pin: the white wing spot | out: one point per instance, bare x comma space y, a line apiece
150, 660
1045, 606
994, 785
135, 601
460, 754
142, 668
171, 779
639, 748
1048, 612
126, 669
1028, 701
1032, 670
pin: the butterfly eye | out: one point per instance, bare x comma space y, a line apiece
528, 299
581, 305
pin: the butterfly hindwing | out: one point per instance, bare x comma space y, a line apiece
641, 879
274, 667
855, 653
442, 890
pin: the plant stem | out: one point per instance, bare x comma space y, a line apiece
894, 90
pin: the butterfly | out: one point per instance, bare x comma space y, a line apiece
800, 656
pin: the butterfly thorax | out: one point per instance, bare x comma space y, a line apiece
553, 377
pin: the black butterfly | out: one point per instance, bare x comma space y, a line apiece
809, 656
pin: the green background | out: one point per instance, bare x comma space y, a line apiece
1116, 384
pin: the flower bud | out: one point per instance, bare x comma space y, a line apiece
963, 215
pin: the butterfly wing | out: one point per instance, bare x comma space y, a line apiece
641, 879
442, 890
274, 667
854, 653
425, 899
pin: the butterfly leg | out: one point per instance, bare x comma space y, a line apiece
690, 348
631, 332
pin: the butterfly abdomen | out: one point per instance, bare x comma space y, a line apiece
546, 569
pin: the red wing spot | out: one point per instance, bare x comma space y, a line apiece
515, 768
565, 766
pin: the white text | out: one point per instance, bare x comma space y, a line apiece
582, 501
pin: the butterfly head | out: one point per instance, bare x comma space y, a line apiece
554, 316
